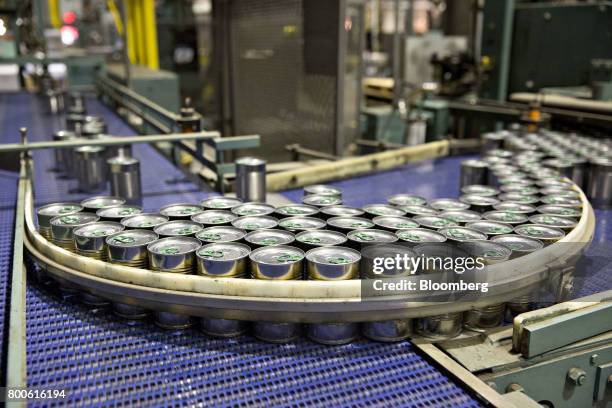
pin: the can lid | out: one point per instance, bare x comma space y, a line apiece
420, 235
119, 211
461, 215
251, 162
514, 207
321, 200
434, 221
131, 238
51, 210
505, 217
559, 200
539, 231
221, 203
516, 197
371, 236
383, 209
445, 204
252, 223
102, 202
174, 246
180, 210
462, 234
322, 189
342, 210
277, 255
333, 255
269, 237
480, 190
252, 209
560, 192
419, 210
491, 252
321, 237
553, 221
395, 222
120, 164
473, 199
178, 228
220, 234
559, 210
406, 199
297, 210
301, 223
223, 251
74, 220
518, 243
98, 229
350, 223
490, 227
145, 220
214, 217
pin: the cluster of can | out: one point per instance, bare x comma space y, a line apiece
499, 214
96, 167
587, 161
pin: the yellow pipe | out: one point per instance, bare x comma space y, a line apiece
150, 34
131, 30
54, 14
112, 7
140, 38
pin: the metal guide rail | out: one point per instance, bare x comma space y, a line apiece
158, 119
290, 301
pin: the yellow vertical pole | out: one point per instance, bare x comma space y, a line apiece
140, 38
54, 14
131, 28
150, 34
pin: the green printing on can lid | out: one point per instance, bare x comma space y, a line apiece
211, 253
338, 260
68, 219
124, 239
362, 236
268, 241
311, 240
287, 257
170, 251
209, 236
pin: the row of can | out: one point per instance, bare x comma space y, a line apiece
586, 161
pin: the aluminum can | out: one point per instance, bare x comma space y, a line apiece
124, 175
414, 210
220, 234
332, 263
118, 212
400, 200
519, 198
462, 234
269, 237
178, 228
296, 210
129, 247
479, 190
519, 245
479, 203
90, 239
435, 222
321, 189
45, 213
417, 236
252, 209
506, 217
448, 204
254, 223
560, 200
394, 222
461, 216
63, 226
296, 224
220, 203
514, 207
320, 200
214, 217
560, 211
146, 221
307, 240
548, 235
599, 188
346, 224
376, 210
564, 223
491, 228
251, 179
64, 159
473, 172
492, 141
93, 204
340, 211
91, 169
180, 211
359, 239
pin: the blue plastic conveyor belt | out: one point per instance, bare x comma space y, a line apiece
100, 360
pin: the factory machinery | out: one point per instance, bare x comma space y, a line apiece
165, 294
